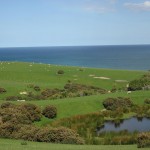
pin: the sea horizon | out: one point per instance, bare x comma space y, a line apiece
123, 57
74, 45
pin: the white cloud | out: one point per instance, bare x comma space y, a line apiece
98, 9
97, 6
145, 6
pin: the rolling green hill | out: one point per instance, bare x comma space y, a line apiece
16, 76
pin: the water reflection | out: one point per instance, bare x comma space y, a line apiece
131, 125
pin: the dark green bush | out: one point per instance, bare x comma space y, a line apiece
33, 133
7, 105
15, 115
60, 72
2, 90
143, 140
23, 143
26, 132
147, 101
58, 135
50, 111
21, 114
50, 92
36, 88
119, 102
139, 84
13, 98
7, 129
33, 110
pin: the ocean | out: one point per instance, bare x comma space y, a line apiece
129, 57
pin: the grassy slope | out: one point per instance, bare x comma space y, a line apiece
16, 145
16, 76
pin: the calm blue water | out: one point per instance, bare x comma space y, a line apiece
132, 124
115, 57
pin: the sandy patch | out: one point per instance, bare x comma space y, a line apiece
121, 81
91, 75
103, 78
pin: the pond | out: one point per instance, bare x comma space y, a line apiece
131, 125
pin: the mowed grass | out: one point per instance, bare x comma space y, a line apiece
6, 144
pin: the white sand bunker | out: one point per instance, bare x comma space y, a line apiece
121, 81
103, 78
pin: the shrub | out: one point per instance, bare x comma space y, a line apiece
60, 72
141, 83
58, 135
7, 105
33, 110
13, 98
147, 101
143, 140
37, 88
7, 129
20, 114
49, 92
50, 111
120, 102
26, 132
2, 90
23, 143
15, 115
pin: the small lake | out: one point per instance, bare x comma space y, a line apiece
131, 125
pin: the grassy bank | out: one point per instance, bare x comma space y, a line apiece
6, 144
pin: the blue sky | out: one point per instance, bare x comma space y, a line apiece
74, 22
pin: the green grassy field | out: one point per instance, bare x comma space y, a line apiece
15, 76
6, 144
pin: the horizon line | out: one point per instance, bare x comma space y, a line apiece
74, 45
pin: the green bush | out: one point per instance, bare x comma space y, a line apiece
7, 105
13, 98
23, 143
26, 132
147, 101
143, 140
7, 129
15, 115
21, 114
58, 135
119, 102
60, 72
45, 134
50, 92
33, 110
2, 90
36, 88
50, 111
141, 83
